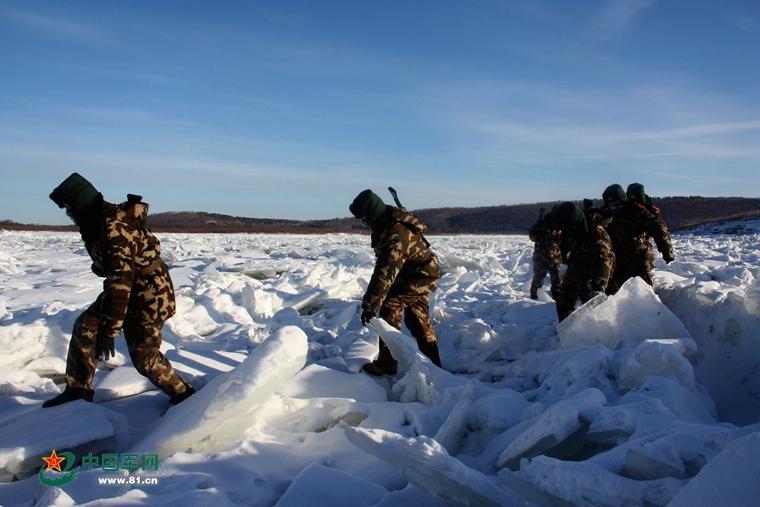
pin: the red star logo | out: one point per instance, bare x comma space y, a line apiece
53, 461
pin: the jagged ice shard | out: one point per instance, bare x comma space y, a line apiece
625, 319
230, 395
427, 465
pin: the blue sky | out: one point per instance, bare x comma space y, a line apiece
288, 109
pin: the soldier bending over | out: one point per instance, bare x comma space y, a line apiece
137, 296
405, 274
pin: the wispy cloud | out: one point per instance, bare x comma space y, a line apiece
55, 26
744, 22
614, 17
545, 141
584, 137
710, 129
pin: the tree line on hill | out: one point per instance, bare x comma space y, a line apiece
679, 212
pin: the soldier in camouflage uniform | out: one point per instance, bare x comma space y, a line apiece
137, 296
405, 274
547, 255
590, 260
637, 221
614, 199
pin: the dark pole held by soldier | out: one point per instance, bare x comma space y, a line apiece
633, 225
137, 296
590, 260
547, 256
405, 274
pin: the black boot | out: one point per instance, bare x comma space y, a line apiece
430, 349
69, 394
377, 369
384, 364
180, 397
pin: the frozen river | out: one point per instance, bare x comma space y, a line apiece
649, 398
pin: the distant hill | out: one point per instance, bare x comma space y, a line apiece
680, 213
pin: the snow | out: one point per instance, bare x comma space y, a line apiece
314, 487
641, 398
120, 382
317, 381
586, 484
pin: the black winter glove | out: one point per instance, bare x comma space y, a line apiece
668, 258
367, 316
104, 348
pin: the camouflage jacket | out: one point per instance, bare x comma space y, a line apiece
542, 234
404, 264
632, 227
547, 240
128, 255
590, 254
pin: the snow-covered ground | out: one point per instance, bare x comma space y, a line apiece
630, 402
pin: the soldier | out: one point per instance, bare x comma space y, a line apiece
137, 296
547, 256
614, 199
406, 271
637, 221
590, 260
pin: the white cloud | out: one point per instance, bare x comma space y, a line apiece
745, 23
709, 129
55, 26
614, 17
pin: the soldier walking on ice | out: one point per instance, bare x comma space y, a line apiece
405, 274
590, 259
633, 225
547, 256
137, 296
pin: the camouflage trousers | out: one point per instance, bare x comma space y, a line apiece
546, 261
576, 285
143, 342
640, 264
416, 312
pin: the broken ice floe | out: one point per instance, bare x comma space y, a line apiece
230, 395
428, 466
421, 380
629, 317
120, 382
728, 479
556, 425
589, 485
30, 433
657, 430
310, 487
